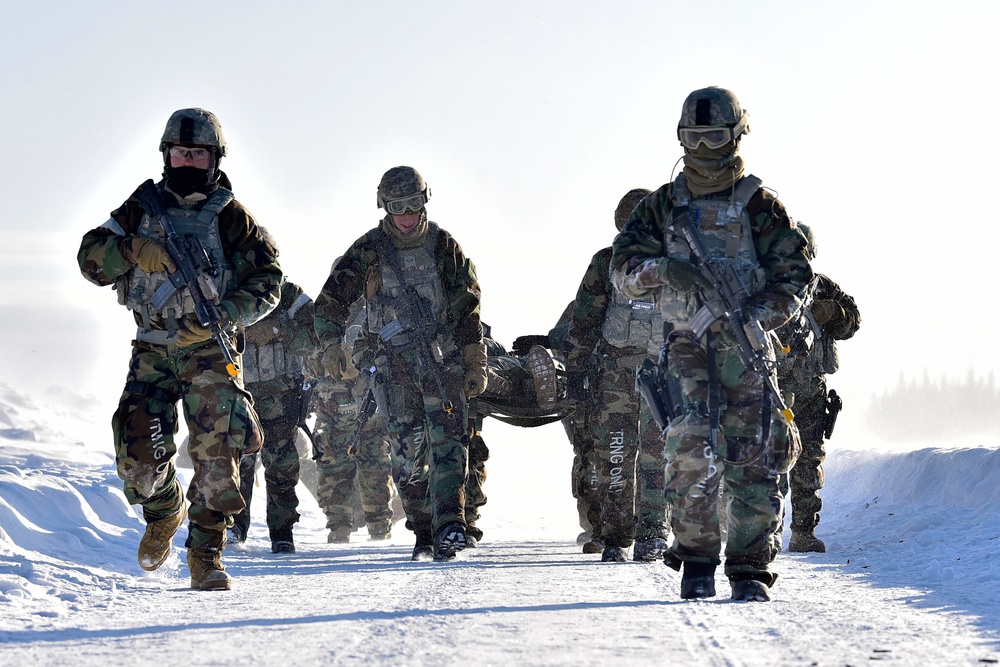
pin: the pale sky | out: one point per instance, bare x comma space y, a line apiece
529, 120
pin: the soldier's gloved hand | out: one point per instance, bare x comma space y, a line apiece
824, 310
474, 360
335, 362
191, 332
524, 343
148, 254
683, 276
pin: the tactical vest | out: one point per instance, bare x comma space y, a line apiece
811, 353
265, 356
725, 229
388, 313
136, 288
633, 323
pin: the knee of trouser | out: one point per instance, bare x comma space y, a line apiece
144, 428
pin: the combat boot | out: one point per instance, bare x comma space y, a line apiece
340, 535
379, 532
613, 555
207, 571
448, 541
282, 541
749, 589
424, 548
542, 367
154, 547
649, 549
594, 546
472, 536
698, 581
803, 541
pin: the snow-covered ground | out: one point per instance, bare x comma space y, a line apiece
910, 576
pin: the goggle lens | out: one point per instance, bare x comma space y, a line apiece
181, 152
400, 206
713, 137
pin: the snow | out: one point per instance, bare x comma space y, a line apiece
909, 577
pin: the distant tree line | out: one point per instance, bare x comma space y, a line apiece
936, 408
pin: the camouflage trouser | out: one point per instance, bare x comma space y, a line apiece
583, 475
479, 453
279, 405
344, 475
429, 444
616, 427
695, 472
806, 477
222, 425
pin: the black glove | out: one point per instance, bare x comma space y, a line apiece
576, 387
524, 343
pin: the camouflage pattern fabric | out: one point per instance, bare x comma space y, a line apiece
430, 470
801, 374
479, 453
696, 473
279, 404
218, 411
220, 419
583, 474
344, 475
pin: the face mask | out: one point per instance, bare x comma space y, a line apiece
186, 180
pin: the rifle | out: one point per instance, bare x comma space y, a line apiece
832, 408
365, 410
189, 257
429, 353
308, 387
659, 402
724, 301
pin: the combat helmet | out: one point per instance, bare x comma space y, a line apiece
628, 204
402, 189
194, 127
711, 116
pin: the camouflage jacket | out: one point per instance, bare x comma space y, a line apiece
812, 347
278, 344
592, 307
358, 274
252, 254
639, 249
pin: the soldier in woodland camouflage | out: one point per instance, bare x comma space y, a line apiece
344, 474
829, 314
612, 335
426, 338
273, 373
726, 430
173, 356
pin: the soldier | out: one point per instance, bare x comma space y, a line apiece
828, 315
273, 373
426, 339
609, 337
346, 472
175, 357
726, 426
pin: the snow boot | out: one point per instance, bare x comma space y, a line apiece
748, 589
282, 542
698, 581
613, 555
543, 374
594, 546
449, 541
803, 541
379, 531
472, 536
154, 547
207, 571
424, 548
649, 549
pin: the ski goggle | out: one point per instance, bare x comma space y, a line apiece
400, 206
713, 136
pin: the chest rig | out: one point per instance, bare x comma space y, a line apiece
151, 294
725, 229
389, 313
633, 323
266, 356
